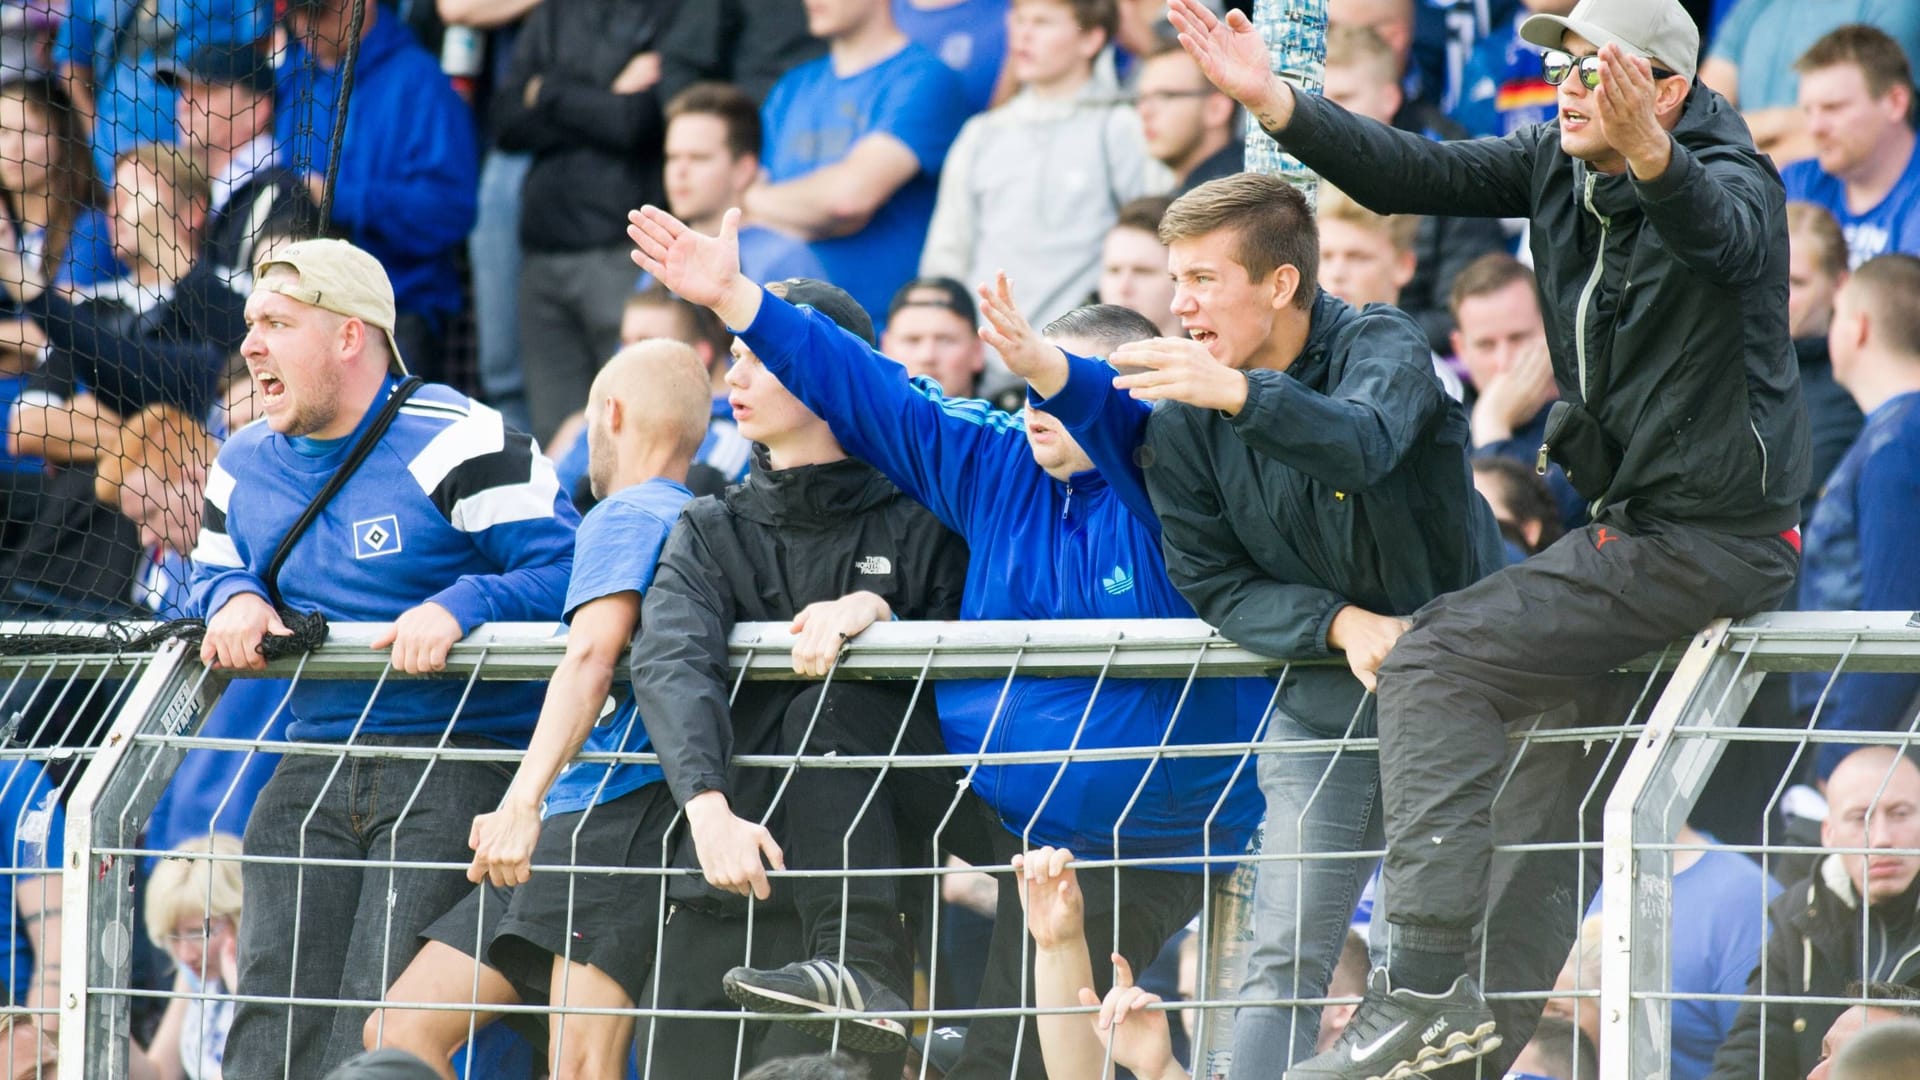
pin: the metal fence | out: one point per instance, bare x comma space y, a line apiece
1663, 746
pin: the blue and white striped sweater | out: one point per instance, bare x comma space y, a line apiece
452, 507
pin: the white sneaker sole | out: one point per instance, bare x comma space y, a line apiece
872, 1035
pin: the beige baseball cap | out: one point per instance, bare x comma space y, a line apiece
1661, 31
338, 277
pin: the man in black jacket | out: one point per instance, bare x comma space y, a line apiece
1816, 951
814, 537
580, 97
1659, 236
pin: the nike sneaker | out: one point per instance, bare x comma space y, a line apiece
1397, 1034
818, 996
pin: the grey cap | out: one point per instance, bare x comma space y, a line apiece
1659, 30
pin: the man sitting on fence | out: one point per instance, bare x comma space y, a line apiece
1050, 538
583, 940
824, 541
1817, 947
452, 520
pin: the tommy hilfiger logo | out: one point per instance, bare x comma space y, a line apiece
376, 536
875, 564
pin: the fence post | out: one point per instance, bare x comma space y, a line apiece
1657, 789
96, 891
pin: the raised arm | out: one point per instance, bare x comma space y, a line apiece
1388, 171
933, 448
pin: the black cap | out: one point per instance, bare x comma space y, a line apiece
829, 300
384, 1065
221, 65
936, 292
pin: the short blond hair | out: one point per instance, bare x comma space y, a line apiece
1350, 45
159, 437
1401, 229
185, 885
180, 172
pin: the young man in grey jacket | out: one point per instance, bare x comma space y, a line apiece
1659, 234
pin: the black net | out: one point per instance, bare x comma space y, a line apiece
151, 151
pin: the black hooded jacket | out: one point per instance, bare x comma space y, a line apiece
760, 552
1665, 302
1815, 951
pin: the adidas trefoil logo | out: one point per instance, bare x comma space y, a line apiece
1117, 583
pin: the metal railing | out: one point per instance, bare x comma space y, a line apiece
1669, 747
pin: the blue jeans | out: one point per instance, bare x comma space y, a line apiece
1318, 803
341, 932
493, 249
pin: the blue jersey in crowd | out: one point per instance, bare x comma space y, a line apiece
451, 507
616, 551
406, 189
1763, 38
814, 116
1502, 89
1891, 226
1861, 556
33, 826
1040, 549
115, 44
970, 37
1719, 920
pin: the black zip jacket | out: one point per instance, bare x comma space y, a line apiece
596, 154
1815, 952
762, 551
1665, 302
1344, 480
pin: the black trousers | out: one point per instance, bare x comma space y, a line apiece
875, 818
1529, 640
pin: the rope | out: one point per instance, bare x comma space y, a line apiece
309, 632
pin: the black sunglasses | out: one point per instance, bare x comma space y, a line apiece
1555, 66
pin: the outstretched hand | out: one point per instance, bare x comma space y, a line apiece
1234, 58
701, 269
1007, 332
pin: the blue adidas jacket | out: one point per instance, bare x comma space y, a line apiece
1041, 549
409, 165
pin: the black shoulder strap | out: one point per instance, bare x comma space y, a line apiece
368, 439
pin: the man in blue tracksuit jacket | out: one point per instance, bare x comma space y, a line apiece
1049, 539
408, 177
451, 520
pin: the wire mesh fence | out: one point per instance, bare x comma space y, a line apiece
105, 732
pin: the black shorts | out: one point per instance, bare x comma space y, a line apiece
615, 917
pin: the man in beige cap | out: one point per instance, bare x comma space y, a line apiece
453, 520
1659, 236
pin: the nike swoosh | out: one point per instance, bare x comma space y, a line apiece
1367, 1050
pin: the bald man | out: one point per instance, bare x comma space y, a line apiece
1888, 1052
589, 934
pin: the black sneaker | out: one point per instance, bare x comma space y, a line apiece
1396, 1034
816, 993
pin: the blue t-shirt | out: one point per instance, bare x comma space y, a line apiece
133, 106
813, 117
33, 824
1892, 226
1764, 37
615, 551
1719, 921
970, 37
